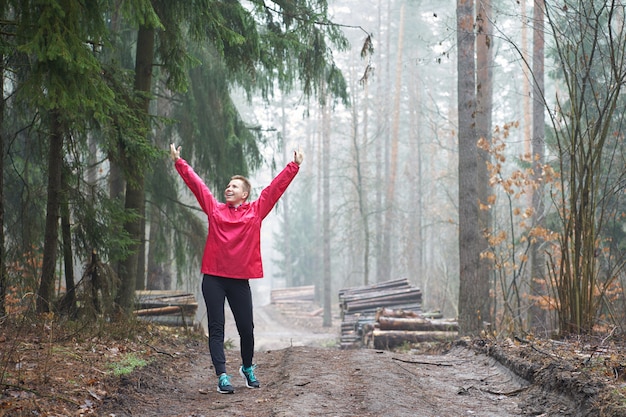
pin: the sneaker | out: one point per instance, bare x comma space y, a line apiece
223, 386
248, 375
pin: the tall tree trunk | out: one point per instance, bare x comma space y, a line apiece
385, 266
327, 317
116, 177
51, 233
360, 159
3, 265
289, 278
411, 233
69, 304
135, 190
140, 272
363, 193
527, 125
319, 209
538, 317
128, 267
154, 273
414, 232
473, 290
116, 180
383, 137
484, 109
158, 273
526, 106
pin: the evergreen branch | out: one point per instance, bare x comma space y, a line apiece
308, 21
178, 202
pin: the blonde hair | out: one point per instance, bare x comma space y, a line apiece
247, 187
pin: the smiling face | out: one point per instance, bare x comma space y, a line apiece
236, 192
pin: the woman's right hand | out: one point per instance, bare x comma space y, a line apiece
174, 152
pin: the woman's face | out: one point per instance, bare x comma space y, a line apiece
234, 193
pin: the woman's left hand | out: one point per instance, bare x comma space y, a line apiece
298, 156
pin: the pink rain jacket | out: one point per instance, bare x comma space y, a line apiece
233, 244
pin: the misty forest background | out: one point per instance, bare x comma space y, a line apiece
473, 147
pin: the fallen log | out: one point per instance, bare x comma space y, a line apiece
394, 312
291, 294
399, 312
316, 313
403, 282
388, 339
174, 299
372, 297
396, 299
416, 323
161, 311
433, 314
162, 298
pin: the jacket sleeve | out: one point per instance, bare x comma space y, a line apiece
206, 200
270, 194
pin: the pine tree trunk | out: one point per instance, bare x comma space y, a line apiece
484, 109
360, 157
327, 317
3, 266
69, 304
527, 139
526, 106
135, 190
538, 317
415, 232
381, 151
289, 277
363, 195
473, 291
55, 163
385, 270
158, 273
140, 272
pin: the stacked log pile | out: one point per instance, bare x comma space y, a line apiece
359, 305
393, 328
387, 315
296, 302
174, 308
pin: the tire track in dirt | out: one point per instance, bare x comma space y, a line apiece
375, 383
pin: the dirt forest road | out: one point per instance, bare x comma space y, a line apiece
301, 377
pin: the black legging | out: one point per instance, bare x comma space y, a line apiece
237, 292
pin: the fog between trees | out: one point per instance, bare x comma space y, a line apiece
377, 197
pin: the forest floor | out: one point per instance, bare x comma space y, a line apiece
49, 372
